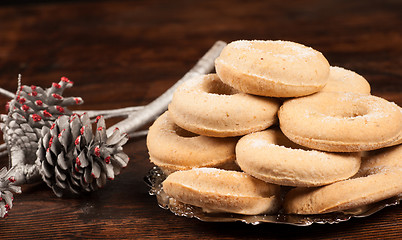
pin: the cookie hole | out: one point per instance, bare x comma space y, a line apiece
345, 111
184, 133
353, 113
215, 86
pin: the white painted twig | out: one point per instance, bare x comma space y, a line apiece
3, 150
111, 113
139, 118
6, 93
138, 134
121, 112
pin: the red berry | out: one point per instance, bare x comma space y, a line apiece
61, 133
77, 141
78, 162
56, 85
36, 117
77, 100
25, 107
97, 118
46, 113
107, 159
60, 109
50, 141
57, 96
38, 102
34, 93
22, 100
97, 151
11, 179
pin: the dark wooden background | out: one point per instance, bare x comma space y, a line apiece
126, 53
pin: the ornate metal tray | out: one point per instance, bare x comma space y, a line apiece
155, 177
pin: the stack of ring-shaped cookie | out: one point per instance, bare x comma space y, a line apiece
317, 149
271, 157
379, 178
173, 148
341, 122
206, 106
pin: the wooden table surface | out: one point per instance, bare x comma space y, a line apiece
126, 53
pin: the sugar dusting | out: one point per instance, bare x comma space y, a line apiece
241, 44
375, 108
263, 143
279, 49
298, 49
212, 171
258, 143
192, 84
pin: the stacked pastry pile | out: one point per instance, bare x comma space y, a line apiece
277, 114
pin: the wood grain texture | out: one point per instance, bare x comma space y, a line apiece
125, 53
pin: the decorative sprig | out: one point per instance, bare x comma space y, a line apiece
31, 109
45, 140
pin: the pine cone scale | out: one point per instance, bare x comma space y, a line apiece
96, 170
82, 160
62, 163
59, 175
47, 170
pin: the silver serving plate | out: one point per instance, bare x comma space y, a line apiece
155, 177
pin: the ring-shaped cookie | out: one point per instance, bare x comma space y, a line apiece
379, 178
271, 157
272, 68
206, 106
172, 148
343, 80
216, 190
399, 139
341, 122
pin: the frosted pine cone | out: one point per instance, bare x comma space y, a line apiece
75, 160
29, 111
6, 189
